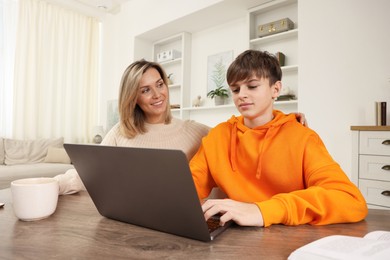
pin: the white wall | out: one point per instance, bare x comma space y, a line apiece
135, 17
343, 59
344, 67
227, 37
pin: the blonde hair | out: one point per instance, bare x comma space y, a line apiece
131, 116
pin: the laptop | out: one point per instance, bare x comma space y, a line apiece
152, 188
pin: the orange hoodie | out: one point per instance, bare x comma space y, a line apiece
281, 166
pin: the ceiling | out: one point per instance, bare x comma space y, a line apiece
97, 8
110, 6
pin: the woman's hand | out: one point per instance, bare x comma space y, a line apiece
244, 214
301, 119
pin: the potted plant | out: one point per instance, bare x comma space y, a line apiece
219, 94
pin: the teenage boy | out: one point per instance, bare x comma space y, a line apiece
272, 169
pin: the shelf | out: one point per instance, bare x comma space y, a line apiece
282, 103
275, 37
170, 62
285, 42
208, 107
177, 35
276, 103
291, 68
179, 68
174, 86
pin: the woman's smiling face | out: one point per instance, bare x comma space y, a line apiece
153, 96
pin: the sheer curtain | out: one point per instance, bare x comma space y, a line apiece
56, 73
8, 21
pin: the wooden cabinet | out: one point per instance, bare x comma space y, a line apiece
371, 164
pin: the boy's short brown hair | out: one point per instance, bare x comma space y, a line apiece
252, 62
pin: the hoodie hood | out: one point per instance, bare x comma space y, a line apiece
267, 132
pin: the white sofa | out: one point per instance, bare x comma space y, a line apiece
31, 158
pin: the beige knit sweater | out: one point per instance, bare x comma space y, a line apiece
179, 134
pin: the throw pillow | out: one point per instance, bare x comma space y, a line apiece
57, 155
28, 151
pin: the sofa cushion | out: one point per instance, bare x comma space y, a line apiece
56, 155
2, 154
28, 151
21, 171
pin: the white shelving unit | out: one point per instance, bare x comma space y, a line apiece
277, 104
171, 36
285, 42
178, 68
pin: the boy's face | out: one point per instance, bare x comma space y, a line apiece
254, 99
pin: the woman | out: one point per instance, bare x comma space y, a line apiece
146, 119
145, 115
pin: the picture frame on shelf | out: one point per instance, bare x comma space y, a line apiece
217, 65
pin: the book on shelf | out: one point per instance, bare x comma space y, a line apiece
381, 113
374, 246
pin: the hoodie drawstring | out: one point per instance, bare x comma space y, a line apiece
233, 150
258, 170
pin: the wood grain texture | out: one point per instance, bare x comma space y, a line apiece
371, 128
77, 231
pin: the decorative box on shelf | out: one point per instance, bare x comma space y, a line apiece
168, 55
275, 27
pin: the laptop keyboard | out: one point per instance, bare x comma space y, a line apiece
213, 223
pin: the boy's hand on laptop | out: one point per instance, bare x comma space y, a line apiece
244, 214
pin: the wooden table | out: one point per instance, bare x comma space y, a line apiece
77, 231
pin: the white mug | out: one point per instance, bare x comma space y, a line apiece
34, 198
